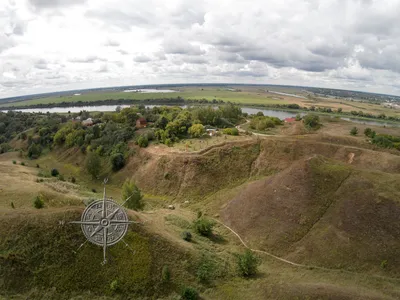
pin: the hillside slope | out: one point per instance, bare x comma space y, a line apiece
325, 213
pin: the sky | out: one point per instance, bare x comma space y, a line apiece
56, 45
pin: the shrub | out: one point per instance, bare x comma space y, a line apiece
93, 164
117, 161
230, 131
311, 121
196, 130
165, 274
38, 202
54, 172
384, 264
14, 162
368, 132
94, 191
189, 293
131, 191
206, 270
354, 131
12, 205
142, 141
298, 117
22, 163
203, 226
73, 180
34, 151
187, 236
61, 177
114, 286
37, 166
247, 263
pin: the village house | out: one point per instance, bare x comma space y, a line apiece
87, 122
290, 120
141, 123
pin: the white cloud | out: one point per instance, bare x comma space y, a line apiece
50, 45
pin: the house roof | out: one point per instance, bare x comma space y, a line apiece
290, 119
142, 120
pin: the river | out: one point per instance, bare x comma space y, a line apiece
281, 114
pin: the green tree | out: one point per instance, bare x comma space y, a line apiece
247, 263
143, 141
203, 226
189, 293
311, 121
354, 131
117, 161
93, 164
38, 202
368, 132
34, 151
196, 130
131, 191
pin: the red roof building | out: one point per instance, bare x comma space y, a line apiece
141, 123
290, 120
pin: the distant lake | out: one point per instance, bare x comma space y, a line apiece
250, 110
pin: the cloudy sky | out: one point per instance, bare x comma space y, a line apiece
53, 45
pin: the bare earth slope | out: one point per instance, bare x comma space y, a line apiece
324, 213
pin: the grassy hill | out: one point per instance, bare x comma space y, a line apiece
313, 200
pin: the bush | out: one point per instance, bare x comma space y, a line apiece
38, 202
203, 226
94, 191
93, 164
73, 180
22, 163
187, 236
34, 151
206, 270
14, 162
247, 263
384, 264
131, 191
354, 131
142, 141
117, 161
165, 274
230, 131
12, 205
61, 177
37, 166
298, 117
189, 293
114, 286
54, 172
311, 121
196, 130
368, 132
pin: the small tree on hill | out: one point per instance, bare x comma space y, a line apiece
143, 141
311, 121
247, 263
368, 132
203, 226
38, 202
354, 131
93, 164
196, 130
129, 189
117, 161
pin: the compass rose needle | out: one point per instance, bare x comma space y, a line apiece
98, 228
104, 244
110, 216
95, 222
104, 200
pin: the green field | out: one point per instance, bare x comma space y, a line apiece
187, 93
